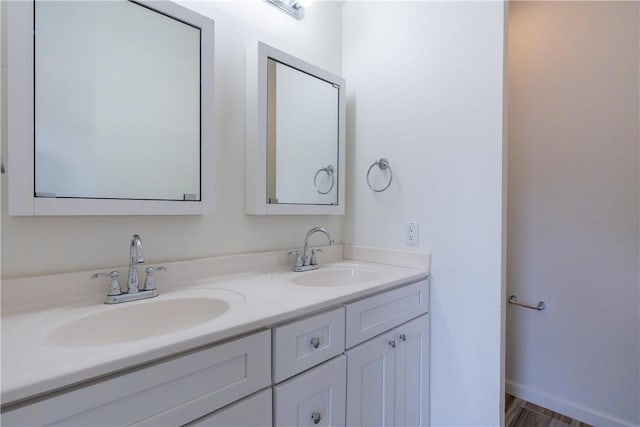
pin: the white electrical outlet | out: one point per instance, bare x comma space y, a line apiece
413, 232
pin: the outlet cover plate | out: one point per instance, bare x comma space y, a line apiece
412, 233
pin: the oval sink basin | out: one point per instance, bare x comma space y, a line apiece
334, 277
137, 321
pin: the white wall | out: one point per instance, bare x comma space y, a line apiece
42, 245
574, 186
425, 89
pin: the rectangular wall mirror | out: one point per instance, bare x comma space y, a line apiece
295, 131
109, 107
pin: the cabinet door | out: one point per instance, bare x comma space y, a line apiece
313, 398
370, 382
412, 373
253, 411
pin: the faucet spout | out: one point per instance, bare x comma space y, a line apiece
306, 257
135, 250
135, 257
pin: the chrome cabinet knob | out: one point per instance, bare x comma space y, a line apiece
315, 342
403, 337
316, 417
393, 343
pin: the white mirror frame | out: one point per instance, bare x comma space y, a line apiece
256, 134
20, 128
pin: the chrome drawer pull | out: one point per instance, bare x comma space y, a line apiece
316, 417
392, 343
403, 337
315, 342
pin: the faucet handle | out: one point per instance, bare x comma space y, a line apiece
314, 260
114, 287
149, 282
298, 255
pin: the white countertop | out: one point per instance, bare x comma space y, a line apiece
32, 364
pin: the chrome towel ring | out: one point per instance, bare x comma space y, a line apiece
329, 171
383, 164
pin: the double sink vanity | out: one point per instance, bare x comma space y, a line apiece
346, 343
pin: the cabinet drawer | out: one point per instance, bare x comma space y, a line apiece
371, 316
192, 385
314, 398
308, 342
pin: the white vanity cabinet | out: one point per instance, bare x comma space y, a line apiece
365, 362
170, 392
388, 375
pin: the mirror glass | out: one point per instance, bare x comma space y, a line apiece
117, 102
302, 137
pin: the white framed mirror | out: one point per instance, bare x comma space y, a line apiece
110, 107
295, 136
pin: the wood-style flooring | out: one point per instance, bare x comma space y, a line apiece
520, 413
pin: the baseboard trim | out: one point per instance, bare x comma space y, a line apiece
565, 407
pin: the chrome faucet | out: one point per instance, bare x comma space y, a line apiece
306, 260
115, 294
135, 257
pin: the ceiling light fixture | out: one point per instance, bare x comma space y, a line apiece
294, 8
